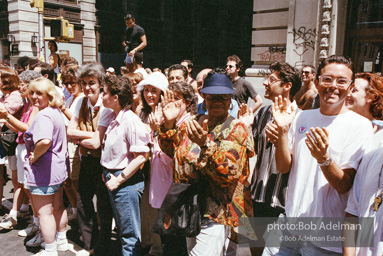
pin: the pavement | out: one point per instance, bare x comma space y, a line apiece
11, 244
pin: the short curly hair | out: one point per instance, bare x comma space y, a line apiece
187, 93
374, 90
288, 74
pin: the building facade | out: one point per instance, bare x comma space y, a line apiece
302, 32
22, 24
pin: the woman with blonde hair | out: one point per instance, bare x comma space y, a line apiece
46, 164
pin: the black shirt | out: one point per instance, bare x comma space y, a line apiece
133, 36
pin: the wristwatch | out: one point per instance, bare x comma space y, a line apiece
123, 175
326, 162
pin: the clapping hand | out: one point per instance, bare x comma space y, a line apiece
317, 143
196, 133
245, 115
282, 117
170, 109
271, 131
155, 118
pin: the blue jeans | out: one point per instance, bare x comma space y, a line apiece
125, 201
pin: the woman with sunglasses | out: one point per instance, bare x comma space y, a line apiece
69, 80
214, 148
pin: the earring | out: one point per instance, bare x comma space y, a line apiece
231, 106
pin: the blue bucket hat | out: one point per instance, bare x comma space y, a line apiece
217, 84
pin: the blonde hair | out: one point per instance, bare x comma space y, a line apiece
46, 86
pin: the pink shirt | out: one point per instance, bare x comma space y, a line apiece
13, 102
161, 172
125, 134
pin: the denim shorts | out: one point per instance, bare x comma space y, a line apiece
45, 191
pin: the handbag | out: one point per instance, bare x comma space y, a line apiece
8, 140
181, 211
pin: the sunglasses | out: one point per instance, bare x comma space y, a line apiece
217, 97
230, 66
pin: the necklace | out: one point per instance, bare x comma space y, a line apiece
378, 194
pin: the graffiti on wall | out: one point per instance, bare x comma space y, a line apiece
273, 54
304, 41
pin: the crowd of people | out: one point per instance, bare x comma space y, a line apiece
127, 138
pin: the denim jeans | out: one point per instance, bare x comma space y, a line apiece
125, 201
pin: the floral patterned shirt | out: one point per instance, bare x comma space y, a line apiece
224, 165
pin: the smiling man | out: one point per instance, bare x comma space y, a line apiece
321, 149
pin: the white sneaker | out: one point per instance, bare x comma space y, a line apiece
45, 253
36, 240
84, 252
60, 247
29, 231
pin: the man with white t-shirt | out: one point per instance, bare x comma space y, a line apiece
321, 150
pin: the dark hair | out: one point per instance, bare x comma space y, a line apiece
216, 71
121, 87
129, 17
29, 75
68, 61
69, 72
189, 62
288, 74
313, 70
337, 59
9, 78
23, 62
375, 91
188, 94
138, 57
33, 63
92, 69
54, 44
47, 69
237, 60
179, 67
146, 109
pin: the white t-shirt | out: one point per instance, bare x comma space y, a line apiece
362, 195
142, 71
309, 193
106, 114
71, 104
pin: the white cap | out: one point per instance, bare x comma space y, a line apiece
156, 79
110, 69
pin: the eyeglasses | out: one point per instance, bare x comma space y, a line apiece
230, 66
271, 80
306, 72
217, 97
69, 83
341, 82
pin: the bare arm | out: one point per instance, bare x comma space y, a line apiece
41, 148
141, 46
129, 171
96, 140
349, 236
257, 104
74, 133
18, 126
66, 111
